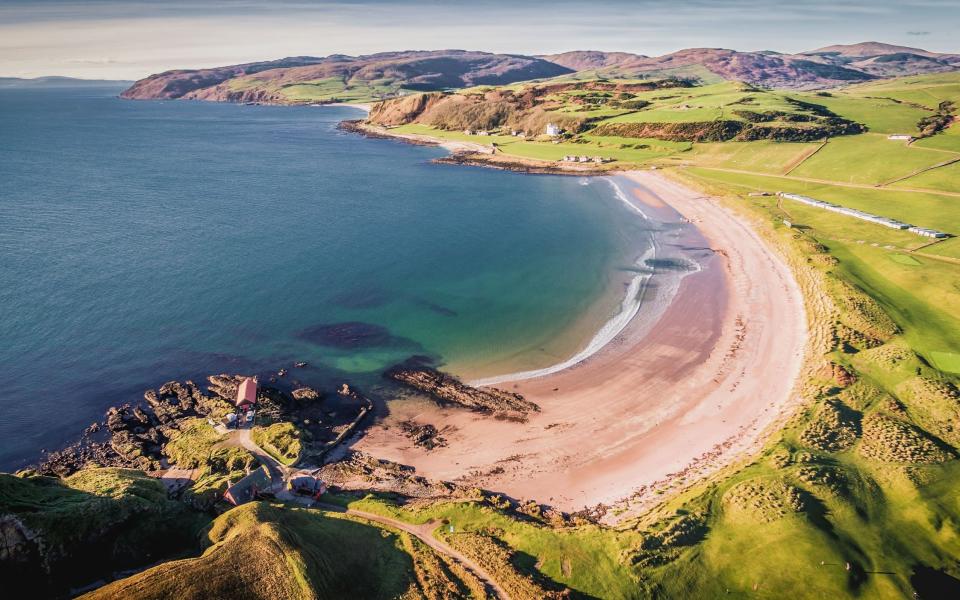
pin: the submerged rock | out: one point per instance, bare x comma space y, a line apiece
351, 334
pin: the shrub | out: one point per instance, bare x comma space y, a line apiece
889, 439
835, 428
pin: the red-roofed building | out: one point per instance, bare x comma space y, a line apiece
247, 393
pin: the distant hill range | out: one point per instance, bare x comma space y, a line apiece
344, 78
821, 68
9, 82
340, 78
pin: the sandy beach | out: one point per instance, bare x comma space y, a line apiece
664, 401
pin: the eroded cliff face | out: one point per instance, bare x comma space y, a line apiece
404, 110
528, 109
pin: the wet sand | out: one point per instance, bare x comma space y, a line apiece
669, 399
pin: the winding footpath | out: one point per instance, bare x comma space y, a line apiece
424, 533
280, 473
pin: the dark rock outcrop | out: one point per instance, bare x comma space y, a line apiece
447, 389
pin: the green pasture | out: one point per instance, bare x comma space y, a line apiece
923, 299
948, 140
586, 558
919, 208
867, 158
880, 115
946, 178
761, 156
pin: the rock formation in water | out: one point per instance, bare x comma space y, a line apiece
448, 389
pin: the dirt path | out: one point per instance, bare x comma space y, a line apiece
241, 438
279, 474
425, 534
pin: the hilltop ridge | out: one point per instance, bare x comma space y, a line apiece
343, 78
339, 78
825, 67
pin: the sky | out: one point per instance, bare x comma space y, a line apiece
114, 39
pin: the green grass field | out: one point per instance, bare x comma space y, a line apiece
922, 294
919, 208
869, 158
943, 179
879, 114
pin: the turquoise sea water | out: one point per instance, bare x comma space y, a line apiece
147, 241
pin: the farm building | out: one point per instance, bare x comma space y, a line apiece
900, 137
553, 129
247, 489
247, 393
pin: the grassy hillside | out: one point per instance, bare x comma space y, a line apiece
261, 551
60, 533
340, 78
836, 136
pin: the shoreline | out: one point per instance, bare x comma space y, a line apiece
681, 396
643, 303
477, 155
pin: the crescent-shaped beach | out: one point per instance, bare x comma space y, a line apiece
664, 401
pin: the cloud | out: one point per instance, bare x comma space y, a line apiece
82, 37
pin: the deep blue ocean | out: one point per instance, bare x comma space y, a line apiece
147, 241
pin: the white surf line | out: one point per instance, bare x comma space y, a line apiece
629, 307
618, 191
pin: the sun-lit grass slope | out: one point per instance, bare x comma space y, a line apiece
614, 118
531, 552
283, 441
853, 498
60, 533
260, 551
617, 119
264, 551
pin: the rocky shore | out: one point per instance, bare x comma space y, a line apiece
136, 435
518, 165
476, 155
447, 389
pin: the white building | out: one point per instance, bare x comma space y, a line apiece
900, 137
553, 129
930, 233
859, 214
